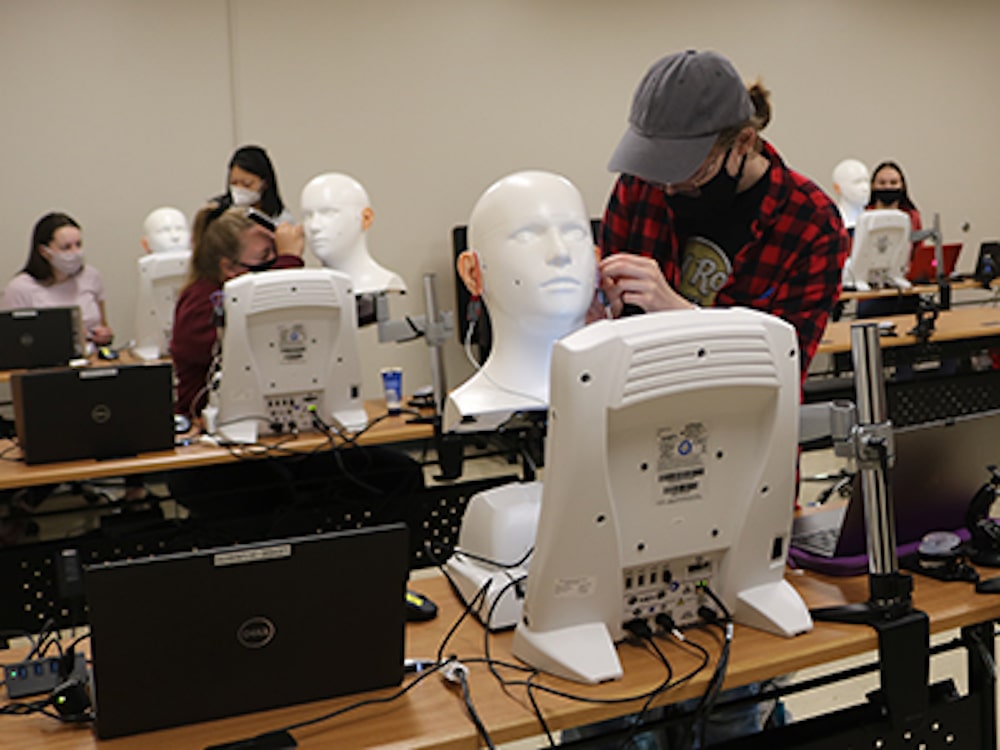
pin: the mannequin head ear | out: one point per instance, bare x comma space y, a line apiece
367, 217
146, 247
471, 272
836, 189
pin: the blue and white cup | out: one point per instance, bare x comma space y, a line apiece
392, 385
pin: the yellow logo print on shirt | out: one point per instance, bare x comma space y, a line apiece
704, 270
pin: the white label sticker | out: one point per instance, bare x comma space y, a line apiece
580, 587
681, 464
253, 555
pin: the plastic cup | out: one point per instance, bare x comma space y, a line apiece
392, 385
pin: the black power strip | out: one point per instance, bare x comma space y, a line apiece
38, 676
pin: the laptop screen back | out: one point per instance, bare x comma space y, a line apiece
97, 412
939, 468
923, 264
43, 337
201, 635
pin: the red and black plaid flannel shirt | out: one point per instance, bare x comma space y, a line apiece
790, 268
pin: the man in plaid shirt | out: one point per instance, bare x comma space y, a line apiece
706, 213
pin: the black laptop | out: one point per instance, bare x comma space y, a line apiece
201, 635
938, 469
63, 414
43, 337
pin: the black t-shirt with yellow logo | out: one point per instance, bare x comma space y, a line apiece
710, 240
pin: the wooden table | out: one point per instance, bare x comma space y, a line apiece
958, 324
433, 713
15, 473
922, 288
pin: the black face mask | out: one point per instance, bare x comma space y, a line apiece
887, 196
265, 266
716, 196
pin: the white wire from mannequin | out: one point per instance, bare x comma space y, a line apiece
479, 368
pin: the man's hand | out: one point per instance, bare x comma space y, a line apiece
633, 279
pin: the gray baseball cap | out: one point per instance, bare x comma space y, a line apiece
682, 104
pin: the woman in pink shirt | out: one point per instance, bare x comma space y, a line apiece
55, 275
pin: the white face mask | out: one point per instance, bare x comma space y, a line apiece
66, 263
242, 196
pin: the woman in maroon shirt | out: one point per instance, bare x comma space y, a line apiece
226, 243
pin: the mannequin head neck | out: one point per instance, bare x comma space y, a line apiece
165, 230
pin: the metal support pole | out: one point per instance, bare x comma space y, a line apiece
435, 332
874, 448
943, 282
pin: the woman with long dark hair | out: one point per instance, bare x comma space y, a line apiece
251, 182
55, 275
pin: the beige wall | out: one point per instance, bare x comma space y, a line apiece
114, 107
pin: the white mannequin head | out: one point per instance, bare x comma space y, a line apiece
531, 254
165, 229
531, 258
336, 215
852, 186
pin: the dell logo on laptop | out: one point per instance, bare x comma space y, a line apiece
256, 632
101, 413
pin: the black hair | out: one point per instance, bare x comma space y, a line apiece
254, 159
904, 199
37, 265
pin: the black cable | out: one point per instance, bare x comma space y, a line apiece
28, 708
42, 706
513, 582
18, 633
696, 727
321, 425
638, 718
496, 563
43, 635
77, 640
581, 698
538, 709
529, 683
477, 722
461, 618
360, 704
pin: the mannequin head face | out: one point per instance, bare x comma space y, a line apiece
851, 183
166, 230
533, 252
335, 214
